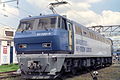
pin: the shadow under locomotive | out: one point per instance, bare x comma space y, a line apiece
66, 75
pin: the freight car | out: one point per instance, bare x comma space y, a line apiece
50, 44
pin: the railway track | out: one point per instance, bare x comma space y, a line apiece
9, 74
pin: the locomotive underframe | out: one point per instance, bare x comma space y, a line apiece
50, 66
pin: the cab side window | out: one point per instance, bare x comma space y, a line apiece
69, 25
78, 30
64, 26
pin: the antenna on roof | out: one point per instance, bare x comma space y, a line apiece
56, 4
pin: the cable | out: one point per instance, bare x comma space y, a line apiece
4, 15
22, 9
13, 14
77, 14
17, 8
28, 12
4, 24
8, 1
8, 11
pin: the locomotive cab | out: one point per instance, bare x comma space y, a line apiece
39, 41
52, 33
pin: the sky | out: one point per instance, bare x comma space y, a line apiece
85, 12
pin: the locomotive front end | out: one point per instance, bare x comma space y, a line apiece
40, 66
39, 41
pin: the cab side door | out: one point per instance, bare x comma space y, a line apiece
70, 35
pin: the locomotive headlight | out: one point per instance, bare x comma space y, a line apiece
54, 58
46, 45
23, 46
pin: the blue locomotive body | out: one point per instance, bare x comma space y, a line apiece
50, 40
47, 45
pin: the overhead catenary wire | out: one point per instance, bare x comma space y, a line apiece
56, 12
56, 4
4, 24
16, 16
4, 15
13, 14
8, 1
29, 13
14, 7
78, 14
9, 13
80, 17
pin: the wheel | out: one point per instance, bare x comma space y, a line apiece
74, 71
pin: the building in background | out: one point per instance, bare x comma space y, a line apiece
7, 49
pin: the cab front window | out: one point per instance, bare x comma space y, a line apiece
43, 23
62, 23
26, 25
46, 23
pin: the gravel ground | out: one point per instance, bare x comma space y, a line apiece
108, 73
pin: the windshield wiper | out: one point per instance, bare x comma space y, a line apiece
23, 30
46, 28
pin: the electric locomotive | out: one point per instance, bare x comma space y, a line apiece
47, 45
